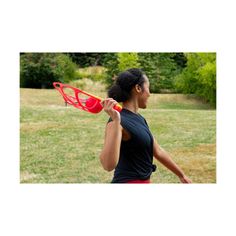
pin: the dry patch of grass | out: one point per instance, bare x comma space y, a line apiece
198, 162
35, 126
25, 176
176, 101
39, 97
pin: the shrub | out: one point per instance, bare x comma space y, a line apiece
40, 70
199, 77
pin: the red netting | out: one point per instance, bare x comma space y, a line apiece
78, 98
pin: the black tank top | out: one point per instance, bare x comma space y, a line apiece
136, 154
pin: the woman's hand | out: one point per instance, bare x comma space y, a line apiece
184, 179
108, 105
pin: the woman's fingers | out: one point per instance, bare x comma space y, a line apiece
185, 179
112, 104
108, 104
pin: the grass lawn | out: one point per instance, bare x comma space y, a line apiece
61, 144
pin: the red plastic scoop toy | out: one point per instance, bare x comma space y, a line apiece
81, 99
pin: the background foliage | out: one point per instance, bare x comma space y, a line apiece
39, 70
199, 77
190, 73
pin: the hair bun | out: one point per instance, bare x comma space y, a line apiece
118, 94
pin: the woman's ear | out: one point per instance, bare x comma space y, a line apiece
138, 88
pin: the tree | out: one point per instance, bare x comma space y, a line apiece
40, 70
161, 69
149, 64
112, 69
88, 59
118, 62
127, 60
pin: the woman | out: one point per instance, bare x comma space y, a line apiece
129, 146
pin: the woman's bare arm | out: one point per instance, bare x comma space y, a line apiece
162, 156
113, 134
111, 150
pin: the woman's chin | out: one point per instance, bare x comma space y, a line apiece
143, 106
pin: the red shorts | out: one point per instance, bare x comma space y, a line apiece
138, 181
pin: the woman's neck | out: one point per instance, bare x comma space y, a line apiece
131, 106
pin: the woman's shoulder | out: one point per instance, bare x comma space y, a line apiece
129, 114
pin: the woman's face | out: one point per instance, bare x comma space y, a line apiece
145, 94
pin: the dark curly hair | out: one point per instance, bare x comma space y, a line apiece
125, 81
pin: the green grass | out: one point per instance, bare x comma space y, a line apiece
61, 144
